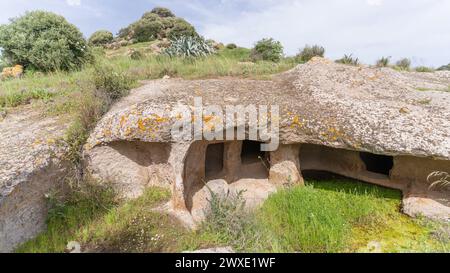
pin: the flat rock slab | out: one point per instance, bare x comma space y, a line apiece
377, 110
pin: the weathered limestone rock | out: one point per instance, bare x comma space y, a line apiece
342, 119
285, 166
31, 166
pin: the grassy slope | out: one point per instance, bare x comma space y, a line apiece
325, 216
60, 89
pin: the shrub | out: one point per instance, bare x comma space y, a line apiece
383, 62
267, 50
146, 30
101, 37
181, 28
189, 46
43, 41
308, 52
349, 60
231, 46
404, 64
150, 16
424, 69
163, 12
444, 67
113, 83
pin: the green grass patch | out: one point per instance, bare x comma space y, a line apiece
41, 86
100, 223
325, 216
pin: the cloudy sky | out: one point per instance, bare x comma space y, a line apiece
368, 29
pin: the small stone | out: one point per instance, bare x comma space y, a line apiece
166, 77
404, 110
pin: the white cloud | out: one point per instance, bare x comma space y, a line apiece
73, 2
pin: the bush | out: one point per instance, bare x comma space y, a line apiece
349, 60
189, 46
43, 41
181, 28
404, 64
146, 30
383, 62
113, 83
444, 67
424, 69
101, 37
267, 50
163, 12
231, 46
158, 23
308, 52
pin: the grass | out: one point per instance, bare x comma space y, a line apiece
325, 216
62, 86
94, 218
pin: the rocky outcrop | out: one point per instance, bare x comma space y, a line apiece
374, 124
31, 166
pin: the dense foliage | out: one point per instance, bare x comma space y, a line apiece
101, 37
267, 50
156, 24
43, 41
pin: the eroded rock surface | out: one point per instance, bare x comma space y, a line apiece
30, 167
405, 117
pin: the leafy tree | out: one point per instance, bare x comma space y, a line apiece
43, 41
267, 49
101, 37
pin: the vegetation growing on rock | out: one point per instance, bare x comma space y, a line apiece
43, 41
308, 52
383, 62
403, 64
349, 60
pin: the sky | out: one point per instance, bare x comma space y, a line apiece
368, 29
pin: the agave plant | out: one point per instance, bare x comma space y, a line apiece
348, 59
189, 46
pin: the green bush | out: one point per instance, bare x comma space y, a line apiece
43, 41
146, 30
101, 37
231, 46
163, 12
115, 84
424, 69
383, 62
349, 60
444, 67
158, 23
267, 50
189, 46
181, 28
308, 52
404, 64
